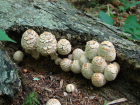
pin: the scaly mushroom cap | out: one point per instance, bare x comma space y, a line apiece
18, 56
64, 47
117, 64
83, 59
87, 71
70, 88
111, 72
53, 102
29, 39
91, 49
77, 53
46, 44
98, 64
65, 64
75, 66
98, 79
107, 51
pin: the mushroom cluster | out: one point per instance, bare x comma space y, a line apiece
95, 63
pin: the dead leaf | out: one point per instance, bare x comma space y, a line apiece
61, 83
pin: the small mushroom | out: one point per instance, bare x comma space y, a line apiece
57, 61
70, 56
83, 59
75, 66
77, 53
47, 45
70, 88
87, 71
64, 47
98, 64
91, 49
18, 56
107, 51
98, 79
29, 41
53, 102
65, 64
117, 64
111, 72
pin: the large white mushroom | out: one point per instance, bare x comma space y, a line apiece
47, 45
18, 56
65, 64
64, 47
107, 51
75, 66
91, 49
87, 71
77, 53
29, 41
98, 79
53, 102
111, 72
98, 64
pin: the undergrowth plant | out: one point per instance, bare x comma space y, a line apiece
31, 99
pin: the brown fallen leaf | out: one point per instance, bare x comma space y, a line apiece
117, 101
61, 83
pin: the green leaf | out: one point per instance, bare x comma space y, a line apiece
137, 32
139, 17
121, 8
36, 79
135, 3
105, 18
4, 37
105, 102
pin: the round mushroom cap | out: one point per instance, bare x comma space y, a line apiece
111, 72
98, 64
29, 39
83, 59
53, 102
18, 56
107, 51
65, 64
77, 53
98, 79
87, 71
70, 88
64, 47
91, 49
57, 61
46, 44
75, 66
117, 64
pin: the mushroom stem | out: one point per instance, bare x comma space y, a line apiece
53, 55
35, 54
28, 51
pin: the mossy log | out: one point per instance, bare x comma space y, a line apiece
59, 18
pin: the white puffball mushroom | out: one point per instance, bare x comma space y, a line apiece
70, 56
64, 47
98, 79
117, 64
91, 49
70, 88
98, 64
53, 102
65, 64
29, 42
47, 45
57, 61
18, 56
83, 59
111, 72
75, 66
87, 71
107, 51
77, 53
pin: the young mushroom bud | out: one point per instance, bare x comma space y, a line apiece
29, 41
57, 61
18, 56
98, 64
83, 59
65, 64
107, 51
75, 66
70, 88
70, 56
53, 102
98, 79
47, 45
111, 72
64, 47
91, 49
77, 53
87, 71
